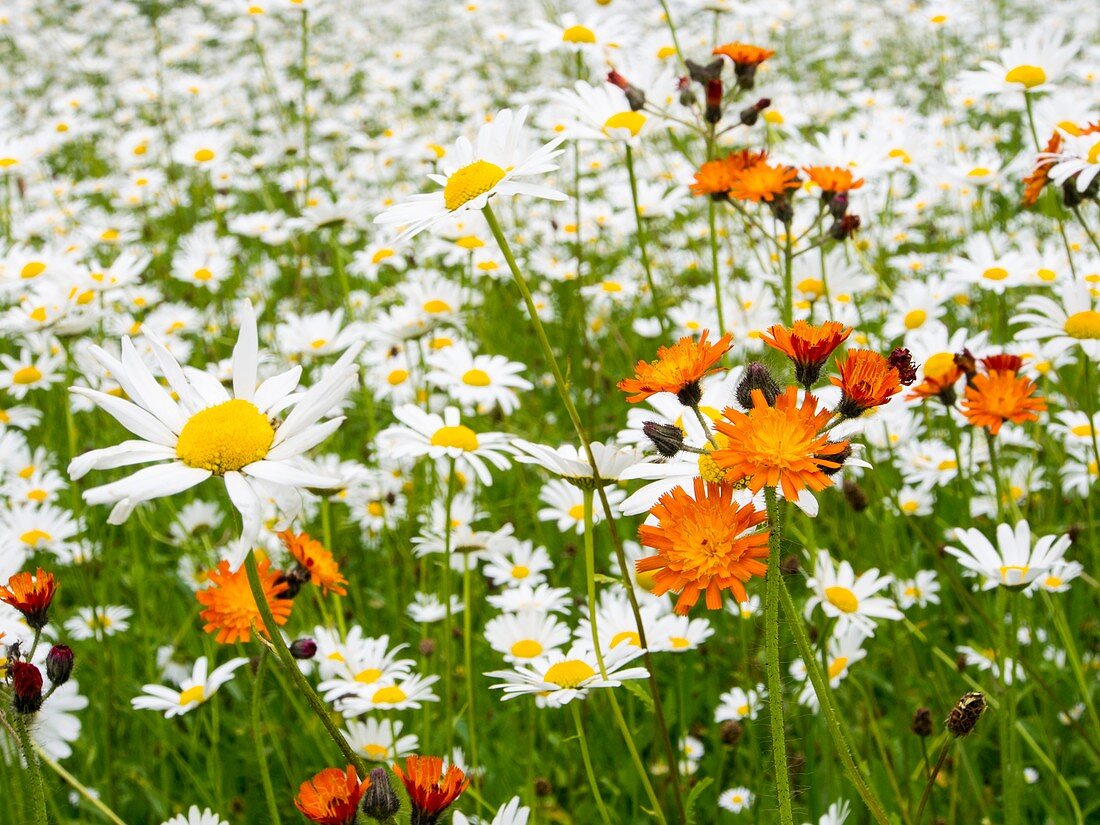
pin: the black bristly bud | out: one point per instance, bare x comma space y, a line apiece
667, 438
757, 377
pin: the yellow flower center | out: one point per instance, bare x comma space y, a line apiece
773, 117
978, 172
1028, 76
743, 710
813, 287
995, 273
519, 571
842, 598
476, 378
914, 318
1052, 581
436, 306
569, 674
38, 495
470, 242
470, 181
611, 286
1094, 153
837, 665
939, 365
679, 642
578, 34
397, 377
32, 269
459, 436
576, 512
368, 676
381, 255
192, 694
1013, 573
203, 274
204, 155
948, 464
910, 506
32, 537
710, 471
1084, 324
225, 437
631, 121
26, 375
376, 509
1082, 430
526, 649
391, 695
627, 636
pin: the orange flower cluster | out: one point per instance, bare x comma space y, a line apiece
832, 180
867, 379
716, 177
1001, 394
764, 182
743, 54
317, 559
678, 369
231, 612
332, 796
807, 346
430, 790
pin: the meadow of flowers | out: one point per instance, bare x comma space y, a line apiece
574, 412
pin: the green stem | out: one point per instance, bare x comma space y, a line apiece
932, 778
642, 249
1090, 407
80, 788
1062, 628
468, 662
771, 655
788, 278
1011, 773
38, 787
276, 643
448, 619
714, 265
257, 740
588, 763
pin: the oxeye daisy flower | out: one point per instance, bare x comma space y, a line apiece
997, 396
921, 590
851, 600
98, 622
231, 611
571, 463
380, 740
193, 691
601, 113
406, 693
1078, 160
1025, 64
428, 434
525, 635
522, 561
736, 800
781, 446
1072, 321
252, 438
808, 346
331, 797
512, 813
565, 505
195, 816
1012, 562
678, 369
494, 164
477, 382
558, 678
431, 789
705, 543
737, 704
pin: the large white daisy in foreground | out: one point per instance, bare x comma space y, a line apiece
474, 172
250, 438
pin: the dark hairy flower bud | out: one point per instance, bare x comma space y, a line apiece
426, 647
713, 112
634, 96
690, 394
380, 802
966, 713
966, 361
59, 664
844, 228
303, 648
757, 377
687, 93
543, 787
837, 203
790, 565
855, 495
704, 74
667, 438
901, 359
922, 723
731, 731
26, 685
750, 115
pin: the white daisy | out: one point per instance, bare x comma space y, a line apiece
428, 434
559, 678
1012, 562
196, 817
851, 600
193, 691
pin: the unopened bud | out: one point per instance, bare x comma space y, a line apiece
380, 802
667, 438
59, 664
303, 648
704, 74
731, 731
634, 96
713, 112
426, 647
687, 93
26, 686
757, 377
750, 115
837, 202
855, 495
543, 788
922, 723
844, 228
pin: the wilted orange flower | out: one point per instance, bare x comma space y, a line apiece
833, 179
716, 177
809, 347
1001, 395
866, 380
332, 796
743, 54
314, 557
430, 790
230, 608
764, 182
780, 446
31, 596
703, 545
678, 369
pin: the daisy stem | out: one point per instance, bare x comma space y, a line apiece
620, 555
771, 654
828, 709
588, 763
703, 424
257, 739
713, 237
1011, 774
448, 619
38, 788
276, 643
642, 248
788, 278
995, 470
468, 663
1092, 237
926, 795
1062, 628
307, 125
80, 788
1090, 406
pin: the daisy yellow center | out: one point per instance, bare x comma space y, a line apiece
837, 665
470, 242
32, 270
32, 537
813, 287
375, 508
225, 437
576, 512
192, 694
910, 506
948, 464
569, 674
381, 255
375, 752
204, 155
578, 34
939, 365
38, 495
631, 121
470, 181
26, 375
1082, 430
1052, 581
842, 599
435, 306
1028, 76
1094, 153
914, 318
391, 695
710, 471
459, 436
476, 378
526, 649
995, 273
203, 274
397, 377
368, 676
679, 642
978, 172
1012, 573
520, 572
626, 636
1085, 324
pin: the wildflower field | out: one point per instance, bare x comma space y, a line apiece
574, 412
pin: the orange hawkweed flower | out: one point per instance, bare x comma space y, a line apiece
678, 369
832, 179
716, 177
764, 182
809, 347
743, 54
314, 557
31, 596
1001, 395
230, 609
866, 380
332, 796
704, 545
430, 790
1037, 179
780, 446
